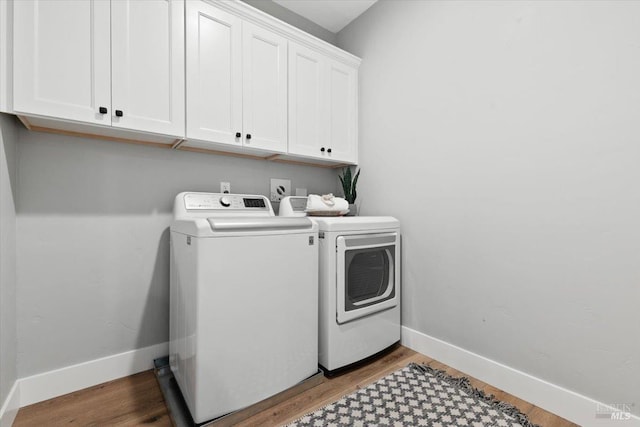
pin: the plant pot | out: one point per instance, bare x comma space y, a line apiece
353, 209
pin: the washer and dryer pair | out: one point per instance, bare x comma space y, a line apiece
359, 280
243, 327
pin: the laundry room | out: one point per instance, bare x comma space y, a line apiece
496, 211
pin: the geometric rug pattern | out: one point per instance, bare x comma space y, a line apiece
417, 395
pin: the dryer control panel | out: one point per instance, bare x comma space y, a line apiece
293, 206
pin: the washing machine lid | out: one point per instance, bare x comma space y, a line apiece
239, 226
225, 225
356, 223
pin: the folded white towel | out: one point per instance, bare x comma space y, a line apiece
326, 202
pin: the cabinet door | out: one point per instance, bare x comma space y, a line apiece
62, 59
308, 99
264, 77
214, 74
148, 65
343, 113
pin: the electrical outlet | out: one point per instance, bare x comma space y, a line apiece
280, 188
225, 187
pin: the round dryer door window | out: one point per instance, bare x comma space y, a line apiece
367, 274
368, 277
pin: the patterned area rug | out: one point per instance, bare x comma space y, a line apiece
417, 396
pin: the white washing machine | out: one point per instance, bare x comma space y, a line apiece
359, 272
244, 301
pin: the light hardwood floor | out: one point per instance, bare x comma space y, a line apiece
137, 400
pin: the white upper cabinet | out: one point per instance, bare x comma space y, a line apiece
264, 77
236, 81
208, 74
308, 101
343, 112
214, 74
118, 63
61, 63
147, 65
323, 105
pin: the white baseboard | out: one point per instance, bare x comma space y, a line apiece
10, 406
565, 403
47, 385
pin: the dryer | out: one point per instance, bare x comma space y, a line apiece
244, 301
359, 280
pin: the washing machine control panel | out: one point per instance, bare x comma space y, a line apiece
216, 201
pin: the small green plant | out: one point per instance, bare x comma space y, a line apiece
349, 183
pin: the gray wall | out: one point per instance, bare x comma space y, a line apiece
8, 327
504, 136
292, 18
93, 241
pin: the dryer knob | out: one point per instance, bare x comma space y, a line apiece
225, 201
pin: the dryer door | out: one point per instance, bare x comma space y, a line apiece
368, 274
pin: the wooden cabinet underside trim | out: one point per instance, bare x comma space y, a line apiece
176, 144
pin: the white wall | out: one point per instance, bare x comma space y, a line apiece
8, 327
93, 240
505, 137
292, 18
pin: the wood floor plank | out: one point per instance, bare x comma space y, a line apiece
134, 400
545, 418
331, 389
137, 400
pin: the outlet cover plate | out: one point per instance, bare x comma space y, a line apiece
225, 187
280, 188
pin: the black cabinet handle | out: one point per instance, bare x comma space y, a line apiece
329, 150
238, 134
103, 110
119, 113
322, 149
248, 136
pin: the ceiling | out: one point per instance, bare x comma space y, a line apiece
332, 15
